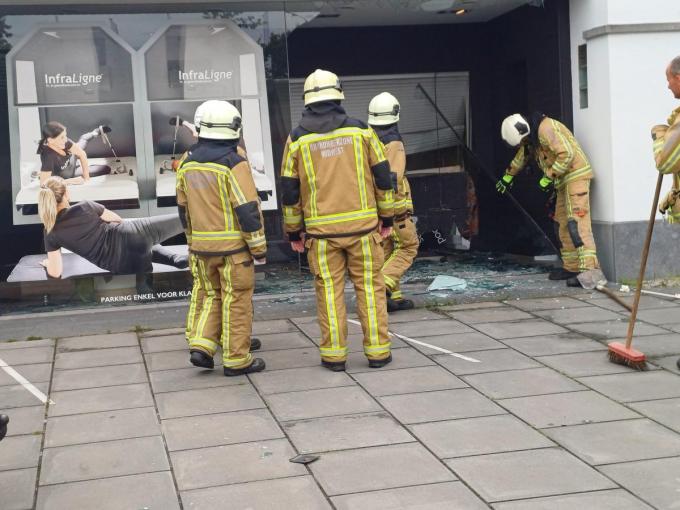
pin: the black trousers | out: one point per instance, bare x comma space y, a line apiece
142, 242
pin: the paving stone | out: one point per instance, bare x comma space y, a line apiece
207, 401
439, 405
527, 474
296, 492
47, 342
489, 361
98, 376
164, 343
579, 315
208, 467
97, 342
278, 341
636, 386
25, 420
522, 383
417, 314
673, 327
106, 426
345, 432
609, 330
490, 315
170, 360
20, 452
220, 429
408, 380
460, 343
102, 460
93, 400
619, 441
669, 363
163, 381
615, 499
562, 409
562, 343
378, 468
584, 364
654, 481
430, 328
553, 303
479, 436
666, 412
472, 306
656, 345
660, 316
269, 327
18, 396
27, 356
161, 332
129, 492
299, 379
291, 358
97, 358
40, 372
440, 496
304, 320
17, 488
517, 329
302, 405
646, 302
401, 358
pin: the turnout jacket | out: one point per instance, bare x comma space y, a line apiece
556, 151
335, 178
667, 145
396, 156
218, 203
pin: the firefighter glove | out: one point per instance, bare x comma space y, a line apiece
545, 183
505, 183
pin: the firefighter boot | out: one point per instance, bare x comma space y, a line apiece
257, 365
201, 359
379, 363
334, 366
561, 274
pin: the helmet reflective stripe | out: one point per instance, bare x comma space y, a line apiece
514, 129
383, 110
322, 86
218, 120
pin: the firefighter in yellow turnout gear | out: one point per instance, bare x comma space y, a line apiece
566, 167
401, 247
220, 210
337, 192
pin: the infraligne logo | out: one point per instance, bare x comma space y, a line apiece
204, 76
72, 80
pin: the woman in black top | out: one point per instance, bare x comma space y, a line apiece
101, 236
59, 156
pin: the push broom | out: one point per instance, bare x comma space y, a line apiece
624, 354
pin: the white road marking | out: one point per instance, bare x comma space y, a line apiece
24, 382
429, 346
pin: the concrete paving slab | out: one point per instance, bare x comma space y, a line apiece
40, 372
460, 343
408, 380
112, 493
382, 467
20, 452
646, 302
346, 432
601, 443
522, 383
656, 345
401, 358
304, 319
673, 327
220, 429
479, 436
439, 406
528, 474
553, 303
583, 364
660, 316
489, 361
106, 426
25, 420
278, 341
163, 381
291, 358
94, 400
610, 330
299, 379
103, 460
301, 405
170, 360
274, 326
653, 481
670, 363
27, 356
161, 332
97, 342
560, 409
47, 342
472, 306
164, 343
666, 412
417, 314
295, 492
98, 376
430, 328
210, 467
562, 343
517, 329
636, 386
489, 315
615, 499
97, 358
580, 315
178, 404
18, 396
17, 488
440, 496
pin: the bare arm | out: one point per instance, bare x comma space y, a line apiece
84, 163
110, 217
53, 263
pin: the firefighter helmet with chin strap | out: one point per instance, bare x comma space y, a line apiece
218, 120
383, 110
515, 129
322, 86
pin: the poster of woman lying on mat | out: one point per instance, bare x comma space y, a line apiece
100, 236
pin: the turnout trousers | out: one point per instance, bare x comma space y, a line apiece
400, 249
221, 309
572, 215
329, 261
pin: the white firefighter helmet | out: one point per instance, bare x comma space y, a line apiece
218, 120
383, 110
514, 129
322, 86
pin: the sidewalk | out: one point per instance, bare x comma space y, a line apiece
541, 421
